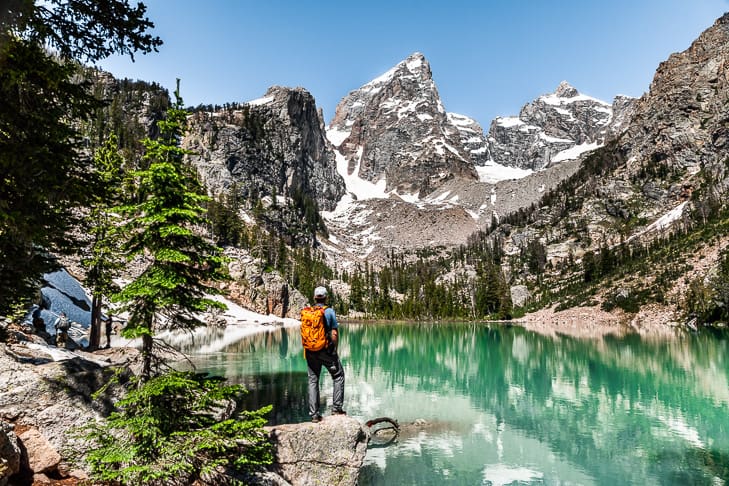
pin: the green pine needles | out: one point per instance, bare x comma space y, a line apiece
162, 225
174, 429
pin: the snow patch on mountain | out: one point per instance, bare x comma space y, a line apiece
553, 128
260, 101
664, 222
360, 188
492, 172
575, 152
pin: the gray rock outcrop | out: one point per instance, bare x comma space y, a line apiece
9, 453
327, 453
48, 400
520, 295
675, 142
265, 292
472, 138
271, 146
395, 127
680, 127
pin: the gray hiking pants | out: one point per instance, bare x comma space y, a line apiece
329, 359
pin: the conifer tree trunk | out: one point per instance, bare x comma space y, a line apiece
146, 373
95, 329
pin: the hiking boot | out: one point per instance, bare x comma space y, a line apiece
316, 418
339, 412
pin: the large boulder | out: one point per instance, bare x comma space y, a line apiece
49, 399
329, 453
42, 456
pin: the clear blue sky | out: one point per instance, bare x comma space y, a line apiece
488, 57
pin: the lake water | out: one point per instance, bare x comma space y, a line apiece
503, 405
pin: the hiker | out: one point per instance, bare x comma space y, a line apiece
62, 326
39, 325
320, 337
109, 323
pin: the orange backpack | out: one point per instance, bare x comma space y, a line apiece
313, 328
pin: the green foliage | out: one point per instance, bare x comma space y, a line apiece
698, 298
720, 286
161, 225
44, 172
43, 175
415, 290
308, 211
708, 298
127, 103
226, 225
86, 30
169, 430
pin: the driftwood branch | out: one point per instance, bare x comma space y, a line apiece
393, 424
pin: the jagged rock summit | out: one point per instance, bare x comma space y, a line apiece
413, 169
395, 130
274, 145
555, 127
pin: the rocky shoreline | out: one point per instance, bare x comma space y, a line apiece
45, 398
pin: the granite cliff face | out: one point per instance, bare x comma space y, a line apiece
555, 127
395, 129
274, 145
677, 142
682, 123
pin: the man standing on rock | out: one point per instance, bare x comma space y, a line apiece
320, 337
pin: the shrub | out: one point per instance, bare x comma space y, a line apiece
173, 429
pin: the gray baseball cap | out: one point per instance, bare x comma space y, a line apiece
320, 292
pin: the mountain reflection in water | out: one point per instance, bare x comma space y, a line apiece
505, 405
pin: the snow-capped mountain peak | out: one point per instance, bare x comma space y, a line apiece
395, 129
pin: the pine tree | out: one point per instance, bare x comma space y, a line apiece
44, 174
103, 263
173, 288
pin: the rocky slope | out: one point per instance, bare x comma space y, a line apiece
666, 172
677, 142
274, 145
681, 124
43, 401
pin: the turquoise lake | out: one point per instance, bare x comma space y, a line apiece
503, 405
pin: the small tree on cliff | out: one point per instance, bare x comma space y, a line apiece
173, 288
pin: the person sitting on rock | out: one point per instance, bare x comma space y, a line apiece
62, 326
